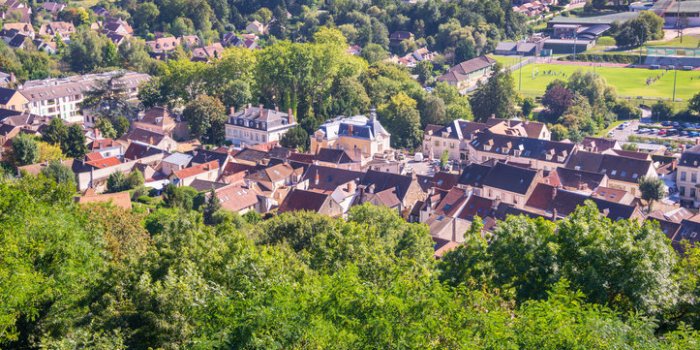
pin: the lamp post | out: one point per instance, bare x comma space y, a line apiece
675, 75
520, 80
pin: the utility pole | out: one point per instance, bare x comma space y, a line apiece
575, 37
678, 21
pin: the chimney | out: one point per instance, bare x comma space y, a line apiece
232, 110
351, 186
317, 178
277, 108
372, 114
454, 230
290, 116
151, 140
606, 211
370, 189
554, 214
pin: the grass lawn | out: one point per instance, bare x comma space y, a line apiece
629, 82
690, 40
506, 61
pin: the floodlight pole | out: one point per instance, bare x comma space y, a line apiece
675, 74
520, 80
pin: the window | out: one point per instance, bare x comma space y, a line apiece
452, 145
682, 191
623, 173
693, 177
437, 143
613, 172
683, 176
692, 192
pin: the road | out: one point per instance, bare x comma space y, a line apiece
622, 134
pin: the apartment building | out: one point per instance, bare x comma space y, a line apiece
61, 97
352, 134
255, 125
687, 176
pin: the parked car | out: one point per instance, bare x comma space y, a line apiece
662, 132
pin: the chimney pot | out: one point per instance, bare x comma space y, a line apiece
232, 110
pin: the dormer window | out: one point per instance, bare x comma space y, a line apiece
613, 173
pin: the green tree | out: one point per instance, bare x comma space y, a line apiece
60, 173
75, 145
179, 197
206, 116
295, 138
211, 207
559, 132
434, 111
694, 103
105, 126
117, 182
662, 110
25, 150
121, 126
496, 97
135, 179
424, 71
652, 189
374, 53
56, 132
444, 159
527, 106
402, 120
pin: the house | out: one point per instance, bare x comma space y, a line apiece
13, 100
175, 162
143, 152
556, 203
529, 48
339, 158
622, 172
119, 199
687, 176
61, 97
107, 148
517, 127
208, 53
61, 29
577, 180
352, 134
256, 125
160, 120
238, 198
300, 200
510, 184
405, 188
190, 41
202, 156
399, 36
19, 41
256, 28
411, 59
599, 144
162, 45
276, 176
468, 72
249, 41
184, 177
151, 138
9, 30
327, 179
536, 153
54, 8
118, 26
438, 139
15, 10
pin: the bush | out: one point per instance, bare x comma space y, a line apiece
662, 110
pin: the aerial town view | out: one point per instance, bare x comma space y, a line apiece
350, 174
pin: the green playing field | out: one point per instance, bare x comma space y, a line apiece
629, 82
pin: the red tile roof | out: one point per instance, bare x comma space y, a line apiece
196, 170
104, 162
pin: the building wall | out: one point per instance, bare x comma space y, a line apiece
66, 108
438, 145
249, 136
17, 103
687, 180
518, 200
210, 175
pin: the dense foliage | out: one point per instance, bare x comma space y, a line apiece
105, 278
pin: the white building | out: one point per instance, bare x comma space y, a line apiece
255, 125
61, 97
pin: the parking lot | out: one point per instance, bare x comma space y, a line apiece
684, 132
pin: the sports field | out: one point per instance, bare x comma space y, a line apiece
629, 82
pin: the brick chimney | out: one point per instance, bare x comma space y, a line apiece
317, 178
